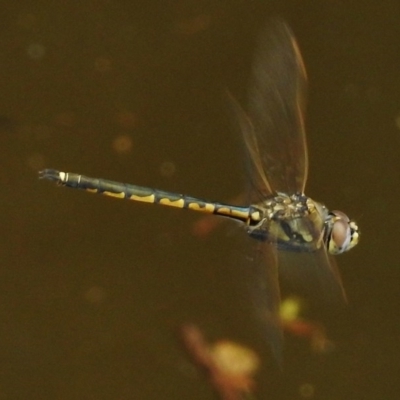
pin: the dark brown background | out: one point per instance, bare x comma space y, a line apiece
92, 289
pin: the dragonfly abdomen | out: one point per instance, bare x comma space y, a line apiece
148, 195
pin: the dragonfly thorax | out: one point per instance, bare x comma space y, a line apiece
283, 207
293, 222
297, 223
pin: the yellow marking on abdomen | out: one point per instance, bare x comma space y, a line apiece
224, 211
92, 190
145, 199
120, 195
208, 208
180, 203
239, 214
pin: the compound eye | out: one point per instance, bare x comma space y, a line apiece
343, 234
340, 237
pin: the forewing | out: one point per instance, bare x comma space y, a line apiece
274, 130
312, 275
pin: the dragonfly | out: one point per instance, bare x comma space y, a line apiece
282, 225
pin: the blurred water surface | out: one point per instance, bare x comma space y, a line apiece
93, 291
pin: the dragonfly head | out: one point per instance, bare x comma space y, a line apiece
341, 233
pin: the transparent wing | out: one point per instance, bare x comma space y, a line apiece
273, 128
313, 275
258, 261
274, 134
276, 151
